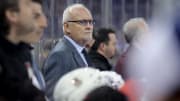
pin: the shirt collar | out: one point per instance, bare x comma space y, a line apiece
77, 46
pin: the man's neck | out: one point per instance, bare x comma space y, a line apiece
12, 37
102, 53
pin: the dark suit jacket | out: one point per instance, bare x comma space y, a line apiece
15, 84
99, 61
62, 59
122, 67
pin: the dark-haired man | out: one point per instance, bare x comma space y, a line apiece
18, 24
104, 48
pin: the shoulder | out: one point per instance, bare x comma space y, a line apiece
63, 46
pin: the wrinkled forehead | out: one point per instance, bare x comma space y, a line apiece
80, 13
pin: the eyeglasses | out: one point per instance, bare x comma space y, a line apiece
84, 22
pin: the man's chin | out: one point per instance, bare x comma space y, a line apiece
111, 57
87, 40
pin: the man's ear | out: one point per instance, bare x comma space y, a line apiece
66, 27
102, 46
11, 16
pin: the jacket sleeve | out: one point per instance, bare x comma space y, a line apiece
55, 66
15, 84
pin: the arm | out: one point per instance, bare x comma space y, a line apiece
54, 68
15, 83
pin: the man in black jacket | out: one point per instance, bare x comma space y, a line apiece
103, 48
18, 24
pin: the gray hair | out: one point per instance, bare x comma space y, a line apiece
67, 12
133, 28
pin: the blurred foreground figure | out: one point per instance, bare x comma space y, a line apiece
41, 21
17, 28
77, 84
157, 62
133, 30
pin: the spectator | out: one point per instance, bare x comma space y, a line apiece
40, 18
17, 27
69, 53
133, 31
104, 48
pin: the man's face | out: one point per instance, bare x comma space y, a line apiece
40, 22
80, 27
110, 48
25, 22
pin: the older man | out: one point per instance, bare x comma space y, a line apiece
134, 30
69, 53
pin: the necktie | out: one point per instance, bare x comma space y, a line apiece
86, 57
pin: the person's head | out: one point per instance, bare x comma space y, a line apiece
105, 42
40, 20
75, 85
17, 19
134, 28
78, 23
82, 81
105, 93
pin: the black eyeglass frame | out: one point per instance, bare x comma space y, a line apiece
83, 22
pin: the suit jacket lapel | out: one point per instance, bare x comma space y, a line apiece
75, 53
78, 59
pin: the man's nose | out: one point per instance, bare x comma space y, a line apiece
89, 25
43, 21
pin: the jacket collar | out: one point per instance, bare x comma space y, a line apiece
8, 46
75, 53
